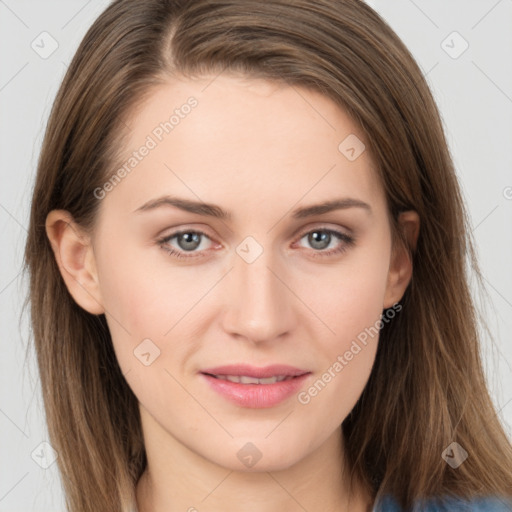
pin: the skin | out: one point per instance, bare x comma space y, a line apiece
259, 150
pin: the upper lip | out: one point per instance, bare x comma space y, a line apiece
253, 371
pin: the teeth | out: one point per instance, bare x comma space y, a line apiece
244, 379
269, 380
249, 380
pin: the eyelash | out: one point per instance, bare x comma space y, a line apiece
348, 242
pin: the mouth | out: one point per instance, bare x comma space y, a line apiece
246, 379
253, 387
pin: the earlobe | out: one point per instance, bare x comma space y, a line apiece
400, 268
75, 258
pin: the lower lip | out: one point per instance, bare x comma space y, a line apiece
256, 396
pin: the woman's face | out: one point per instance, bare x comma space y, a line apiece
267, 281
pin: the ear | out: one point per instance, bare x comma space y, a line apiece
400, 268
75, 259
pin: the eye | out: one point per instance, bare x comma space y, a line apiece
321, 239
187, 242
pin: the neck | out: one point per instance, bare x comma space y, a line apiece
176, 478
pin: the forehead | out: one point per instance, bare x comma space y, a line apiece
240, 141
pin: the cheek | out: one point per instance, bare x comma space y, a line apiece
147, 314
350, 303
141, 301
143, 291
349, 298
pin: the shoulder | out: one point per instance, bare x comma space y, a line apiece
481, 504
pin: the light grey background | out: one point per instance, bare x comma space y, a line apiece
473, 90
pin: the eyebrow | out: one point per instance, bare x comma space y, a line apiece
213, 210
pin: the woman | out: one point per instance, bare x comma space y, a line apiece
306, 339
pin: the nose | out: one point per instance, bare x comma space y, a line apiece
259, 304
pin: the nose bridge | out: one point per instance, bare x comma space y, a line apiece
259, 306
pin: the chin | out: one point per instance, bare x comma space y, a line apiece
259, 456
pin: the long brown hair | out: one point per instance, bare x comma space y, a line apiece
427, 388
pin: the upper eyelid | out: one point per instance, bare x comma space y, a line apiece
338, 229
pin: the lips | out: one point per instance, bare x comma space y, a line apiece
249, 386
